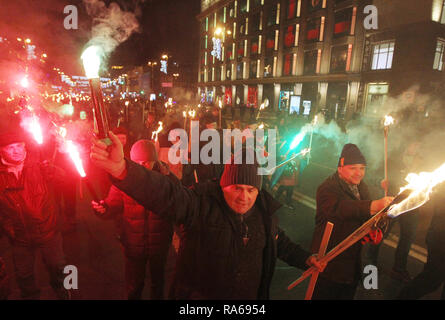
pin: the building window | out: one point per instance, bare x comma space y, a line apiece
343, 20
268, 66
313, 30
291, 9
253, 69
256, 21
438, 57
287, 64
255, 3
376, 97
270, 42
289, 37
310, 62
232, 10
339, 58
222, 15
242, 4
254, 47
239, 71
272, 15
382, 55
240, 50
315, 4
229, 73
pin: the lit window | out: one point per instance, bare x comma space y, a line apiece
438, 57
376, 96
382, 56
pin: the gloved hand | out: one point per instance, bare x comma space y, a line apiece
374, 236
99, 207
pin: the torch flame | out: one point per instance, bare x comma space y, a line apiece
75, 157
305, 151
388, 121
91, 62
422, 185
154, 134
220, 104
34, 128
184, 114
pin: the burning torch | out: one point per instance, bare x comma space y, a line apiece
154, 134
91, 63
388, 121
414, 195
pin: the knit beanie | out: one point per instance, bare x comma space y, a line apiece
143, 150
242, 173
11, 132
351, 154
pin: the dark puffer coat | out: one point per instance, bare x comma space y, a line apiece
141, 231
208, 255
27, 206
337, 204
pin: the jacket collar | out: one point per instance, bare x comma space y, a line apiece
344, 186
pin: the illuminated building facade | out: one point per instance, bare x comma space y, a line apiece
309, 56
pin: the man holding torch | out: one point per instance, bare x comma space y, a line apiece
28, 214
231, 235
343, 199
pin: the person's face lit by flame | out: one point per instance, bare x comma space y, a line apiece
14, 153
240, 198
352, 174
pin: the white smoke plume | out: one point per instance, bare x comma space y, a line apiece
111, 25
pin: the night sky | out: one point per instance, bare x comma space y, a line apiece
166, 26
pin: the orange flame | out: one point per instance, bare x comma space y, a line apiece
154, 134
422, 185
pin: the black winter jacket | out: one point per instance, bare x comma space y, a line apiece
337, 204
208, 255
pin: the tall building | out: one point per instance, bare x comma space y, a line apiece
338, 57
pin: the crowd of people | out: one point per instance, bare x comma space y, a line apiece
220, 218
